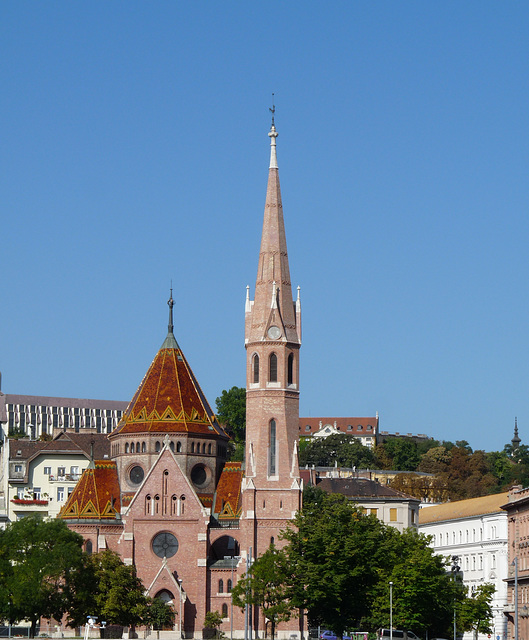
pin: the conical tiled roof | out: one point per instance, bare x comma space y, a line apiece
96, 495
169, 398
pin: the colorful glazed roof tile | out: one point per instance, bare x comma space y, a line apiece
228, 497
169, 398
96, 495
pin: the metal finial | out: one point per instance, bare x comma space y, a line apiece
273, 109
170, 302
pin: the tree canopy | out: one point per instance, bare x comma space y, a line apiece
40, 564
267, 584
111, 590
231, 414
339, 448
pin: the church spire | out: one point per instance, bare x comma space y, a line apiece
273, 289
170, 341
516, 438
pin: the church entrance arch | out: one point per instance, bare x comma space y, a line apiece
224, 547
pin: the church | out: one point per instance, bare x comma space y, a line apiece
166, 499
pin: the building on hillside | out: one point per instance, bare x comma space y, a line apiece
364, 429
35, 416
516, 510
37, 476
390, 506
166, 500
474, 531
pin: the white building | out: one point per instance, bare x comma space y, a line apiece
37, 476
475, 531
40, 415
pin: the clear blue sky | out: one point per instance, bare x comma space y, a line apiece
135, 151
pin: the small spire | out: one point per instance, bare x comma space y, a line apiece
273, 135
170, 341
516, 439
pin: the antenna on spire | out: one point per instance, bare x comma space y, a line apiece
273, 109
170, 302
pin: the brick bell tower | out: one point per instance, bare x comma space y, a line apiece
271, 486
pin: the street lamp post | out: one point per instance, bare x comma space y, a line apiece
391, 611
232, 558
180, 608
455, 573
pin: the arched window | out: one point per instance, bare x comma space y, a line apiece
255, 368
143, 447
290, 369
157, 446
228, 586
174, 506
156, 503
272, 448
132, 447
178, 447
171, 446
272, 368
209, 448
224, 610
88, 547
126, 447
204, 448
137, 447
192, 447
221, 586
148, 505
182, 504
272, 541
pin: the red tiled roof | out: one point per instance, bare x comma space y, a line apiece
169, 400
362, 488
357, 426
96, 495
228, 497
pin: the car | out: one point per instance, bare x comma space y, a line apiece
330, 635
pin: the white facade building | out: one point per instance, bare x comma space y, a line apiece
475, 531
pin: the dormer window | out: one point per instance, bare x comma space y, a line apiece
359, 427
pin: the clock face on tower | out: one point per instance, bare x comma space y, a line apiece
165, 545
274, 332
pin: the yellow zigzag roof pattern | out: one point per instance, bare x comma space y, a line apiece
168, 400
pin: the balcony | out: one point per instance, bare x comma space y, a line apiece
30, 501
67, 477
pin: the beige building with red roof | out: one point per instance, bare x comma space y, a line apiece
475, 532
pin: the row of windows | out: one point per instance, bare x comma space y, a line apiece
272, 368
77, 411
462, 536
350, 427
141, 447
174, 505
228, 586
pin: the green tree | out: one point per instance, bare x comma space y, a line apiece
343, 560
213, 620
340, 449
40, 563
158, 613
475, 612
267, 586
402, 452
335, 553
231, 414
423, 593
111, 590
